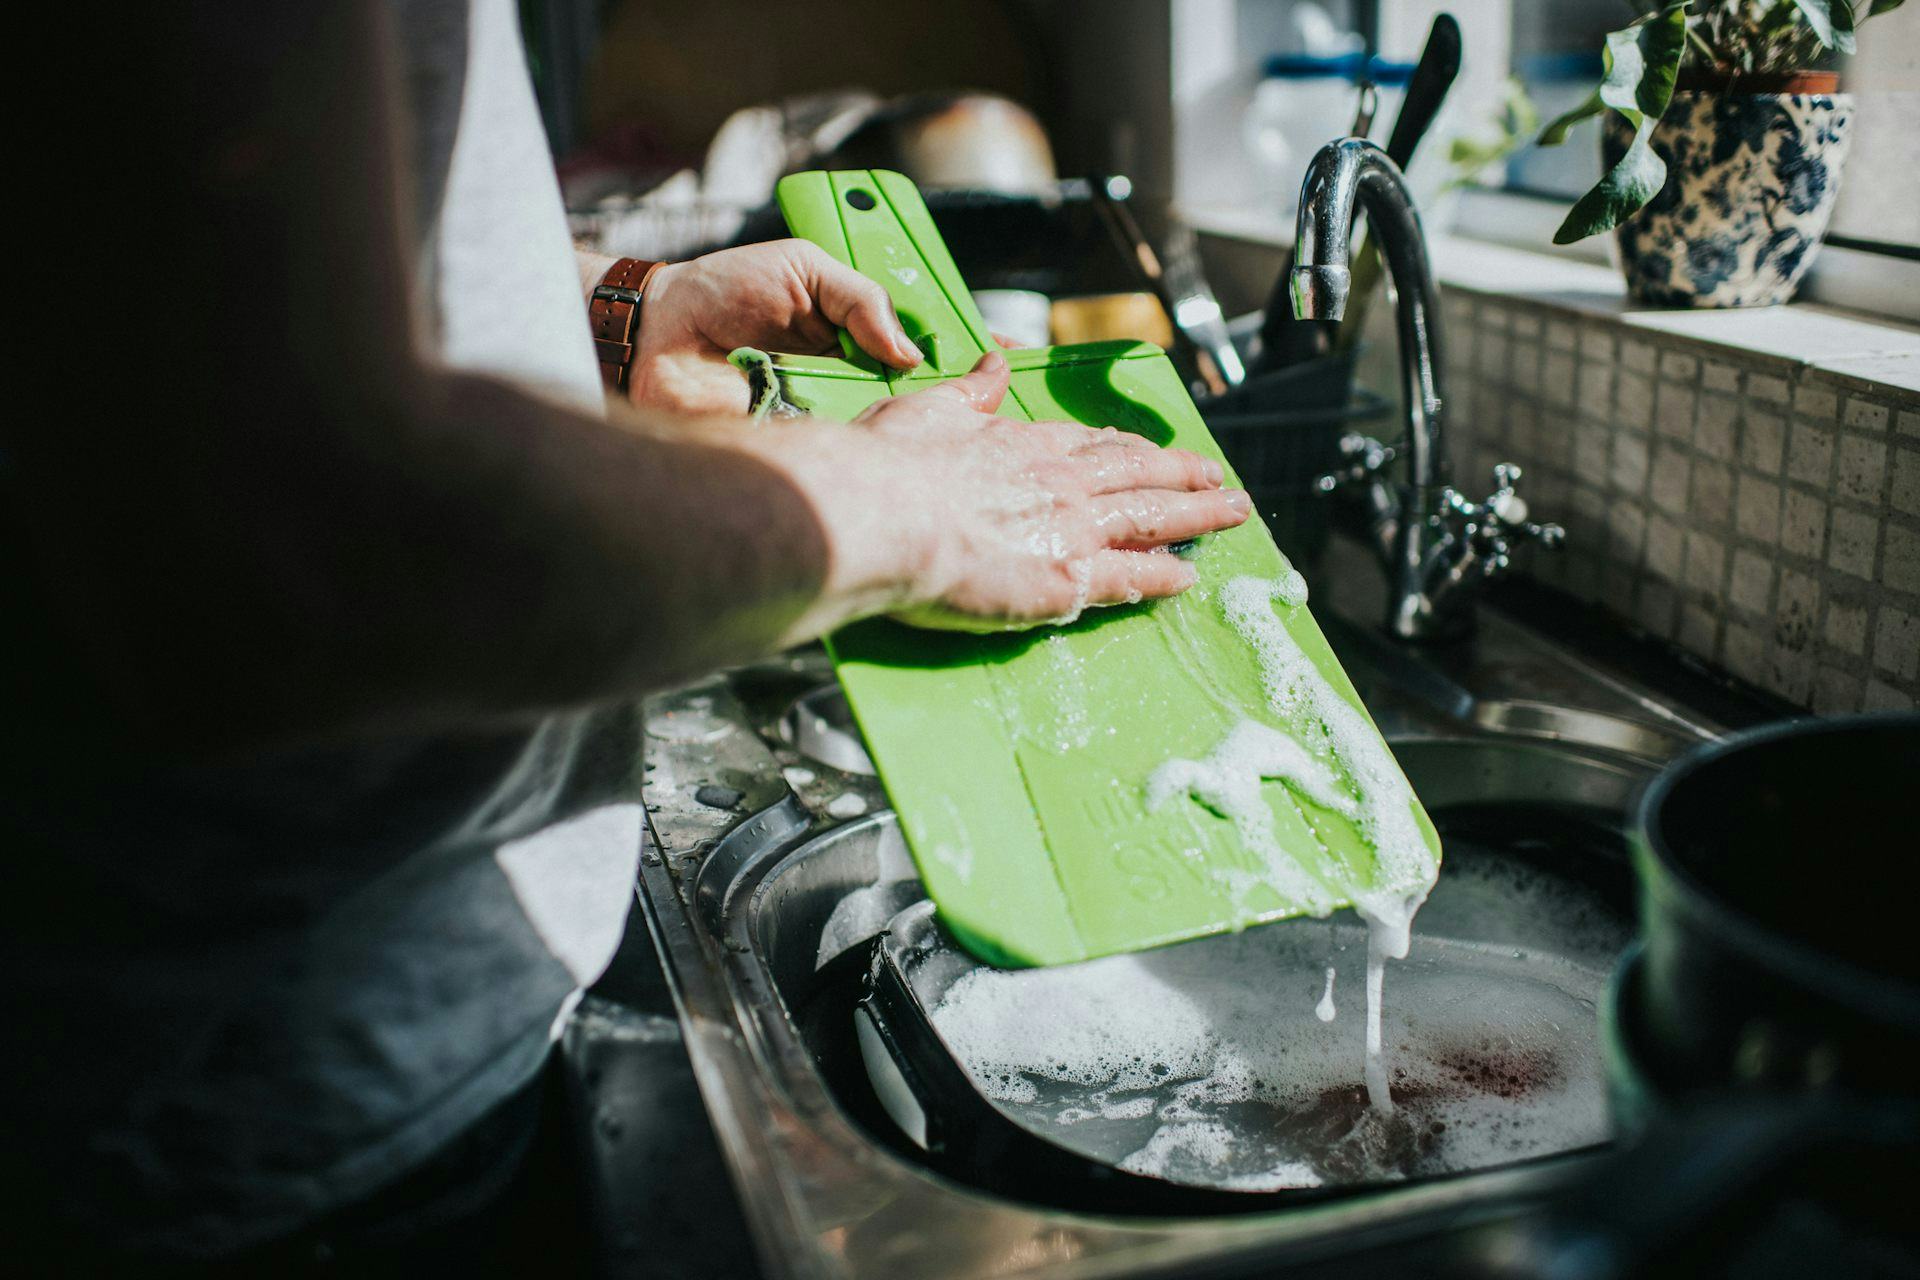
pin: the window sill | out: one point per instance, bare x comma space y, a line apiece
1871, 352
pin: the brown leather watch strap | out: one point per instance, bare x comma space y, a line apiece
614, 313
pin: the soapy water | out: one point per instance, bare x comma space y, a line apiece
1348, 770
1201, 1064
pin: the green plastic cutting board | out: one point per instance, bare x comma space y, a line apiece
1017, 762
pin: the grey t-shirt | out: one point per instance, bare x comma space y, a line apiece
304, 975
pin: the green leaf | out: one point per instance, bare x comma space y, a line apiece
1883, 6
1817, 14
1643, 61
1556, 133
1831, 20
1621, 194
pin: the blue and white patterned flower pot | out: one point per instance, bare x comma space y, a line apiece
1751, 181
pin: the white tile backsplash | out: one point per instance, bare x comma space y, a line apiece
1758, 509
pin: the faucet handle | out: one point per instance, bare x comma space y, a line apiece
1494, 527
1361, 459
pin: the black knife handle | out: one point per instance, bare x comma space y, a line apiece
1427, 88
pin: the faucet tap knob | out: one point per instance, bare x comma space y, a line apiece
1496, 526
1361, 459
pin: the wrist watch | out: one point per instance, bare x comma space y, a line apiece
614, 312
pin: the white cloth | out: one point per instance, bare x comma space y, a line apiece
506, 300
505, 291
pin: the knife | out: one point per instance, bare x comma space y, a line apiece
1433, 77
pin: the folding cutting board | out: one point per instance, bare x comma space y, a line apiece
1017, 763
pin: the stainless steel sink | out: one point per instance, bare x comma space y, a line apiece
761, 924
831, 1187
761, 912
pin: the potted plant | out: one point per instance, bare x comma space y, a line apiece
1723, 141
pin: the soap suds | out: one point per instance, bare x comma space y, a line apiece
1208, 1143
1376, 1061
1325, 1010
1069, 727
1177, 1152
848, 804
1369, 790
1300, 695
1107, 1109
1492, 1032
1228, 782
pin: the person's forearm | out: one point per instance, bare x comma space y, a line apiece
637, 556
471, 556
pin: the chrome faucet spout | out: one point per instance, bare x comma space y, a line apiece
1320, 293
1346, 176
1437, 546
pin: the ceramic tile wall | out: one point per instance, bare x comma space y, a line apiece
1762, 514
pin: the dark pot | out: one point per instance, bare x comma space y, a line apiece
1759, 1041
1751, 182
1779, 872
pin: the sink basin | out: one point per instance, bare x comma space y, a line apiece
785, 915
1492, 1015
1525, 753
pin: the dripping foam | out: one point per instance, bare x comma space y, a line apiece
1350, 772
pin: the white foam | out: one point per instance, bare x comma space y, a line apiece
1405, 865
1290, 588
1325, 1010
1228, 782
1354, 775
1070, 726
1291, 1173
1208, 1142
1138, 1108
1493, 1041
1080, 572
848, 804
1375, 1067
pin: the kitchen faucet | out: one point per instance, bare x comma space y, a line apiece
1438, 545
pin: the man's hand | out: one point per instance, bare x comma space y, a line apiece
786, 296
987, 523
